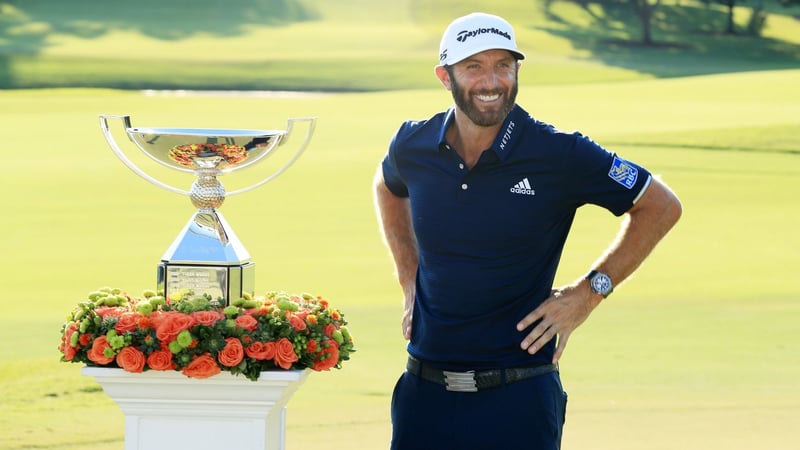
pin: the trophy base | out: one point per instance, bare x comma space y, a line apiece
221, 282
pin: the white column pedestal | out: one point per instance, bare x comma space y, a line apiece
165, 410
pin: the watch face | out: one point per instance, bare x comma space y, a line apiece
601, 284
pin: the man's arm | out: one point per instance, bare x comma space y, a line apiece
394, 218
646, 223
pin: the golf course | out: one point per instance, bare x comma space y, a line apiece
699, 350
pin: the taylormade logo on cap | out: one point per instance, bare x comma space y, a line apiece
464, 35
475, 33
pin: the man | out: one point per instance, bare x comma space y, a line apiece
475, 205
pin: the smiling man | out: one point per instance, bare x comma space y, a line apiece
475, 205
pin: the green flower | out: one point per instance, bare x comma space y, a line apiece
184, 339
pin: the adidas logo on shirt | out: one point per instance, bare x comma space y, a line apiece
523, 187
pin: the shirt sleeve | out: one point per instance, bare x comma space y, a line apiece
603, 178
391, 172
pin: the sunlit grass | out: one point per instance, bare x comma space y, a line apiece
663, 353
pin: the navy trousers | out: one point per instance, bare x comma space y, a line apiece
527, 414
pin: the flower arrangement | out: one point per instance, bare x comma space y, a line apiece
200, 338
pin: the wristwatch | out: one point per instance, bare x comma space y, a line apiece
600, 283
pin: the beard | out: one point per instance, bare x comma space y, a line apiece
464, 101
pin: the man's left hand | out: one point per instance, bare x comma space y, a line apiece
559, 315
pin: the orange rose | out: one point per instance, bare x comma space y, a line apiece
161, 360
261, 351
66, 339
203, 366
328, 357
232, 354
110, 311
156, 317
171, 324
297, 323
207, 318
284, 354
68, 350
261, 311
247, 322
311, 346
131, 359
128, 321
97, 353
329, 329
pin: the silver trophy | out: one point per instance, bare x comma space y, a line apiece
206, 257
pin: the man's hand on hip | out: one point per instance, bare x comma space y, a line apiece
559, 315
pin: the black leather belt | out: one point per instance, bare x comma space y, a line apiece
473, 381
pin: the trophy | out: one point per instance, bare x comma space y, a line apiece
206, 257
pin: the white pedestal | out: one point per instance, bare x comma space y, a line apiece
165, 410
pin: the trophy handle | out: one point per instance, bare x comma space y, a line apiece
126, 121
290, 125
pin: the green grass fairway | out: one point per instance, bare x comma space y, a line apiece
698, 351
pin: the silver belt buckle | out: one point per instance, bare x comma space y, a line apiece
460, 381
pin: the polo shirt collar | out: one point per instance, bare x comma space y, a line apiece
506, 138
449, 116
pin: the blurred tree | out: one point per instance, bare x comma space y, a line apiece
731, 4
644, 11
758, 19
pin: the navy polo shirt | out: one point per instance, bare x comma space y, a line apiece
490, 238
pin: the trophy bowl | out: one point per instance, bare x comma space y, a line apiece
207, 257
189, 149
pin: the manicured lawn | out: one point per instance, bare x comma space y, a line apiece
680, 353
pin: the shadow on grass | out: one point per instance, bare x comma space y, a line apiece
687, 40
26, 26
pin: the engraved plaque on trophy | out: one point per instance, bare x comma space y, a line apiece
206, 257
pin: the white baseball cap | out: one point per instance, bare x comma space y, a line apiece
475, 33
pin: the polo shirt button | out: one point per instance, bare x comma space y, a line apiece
461, 166
464, 187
